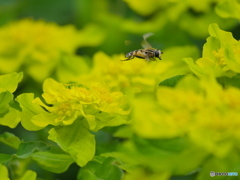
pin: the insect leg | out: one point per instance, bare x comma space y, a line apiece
147, 57
125, 59
129, 58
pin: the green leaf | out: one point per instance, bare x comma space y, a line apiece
27, 148
8, 116
11, 118
5, 98
171, 82
228, 9
194, 67
5, 158
4, 172
29, 175
44, 119
101, 168
86, 174
108, 120
10, 82
56, 163
10, 140
223, 36
29, 110
109, 169
76, 140
162, 155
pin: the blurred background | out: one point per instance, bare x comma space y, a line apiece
33, 32
174, 22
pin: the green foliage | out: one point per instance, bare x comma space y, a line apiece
29, 175
29, 110
76, 140
3, 172
26, 149
101, 168
10, 140
8, 84
228, 9
53, 162
71, 109
220, 55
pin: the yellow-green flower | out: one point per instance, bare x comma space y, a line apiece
198, 109
93, 101
221, 55
39, 46
137, 74
74, 111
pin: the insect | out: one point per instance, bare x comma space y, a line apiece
148, 53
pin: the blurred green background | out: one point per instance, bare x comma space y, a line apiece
174, 23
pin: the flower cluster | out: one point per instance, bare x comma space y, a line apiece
94, 101
9, 116
137, 74
201, 110
38, 46
221, 55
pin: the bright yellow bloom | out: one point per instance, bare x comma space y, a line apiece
94, 102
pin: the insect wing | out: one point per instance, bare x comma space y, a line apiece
145, 43
147, 35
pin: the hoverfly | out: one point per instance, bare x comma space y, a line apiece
148, 53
